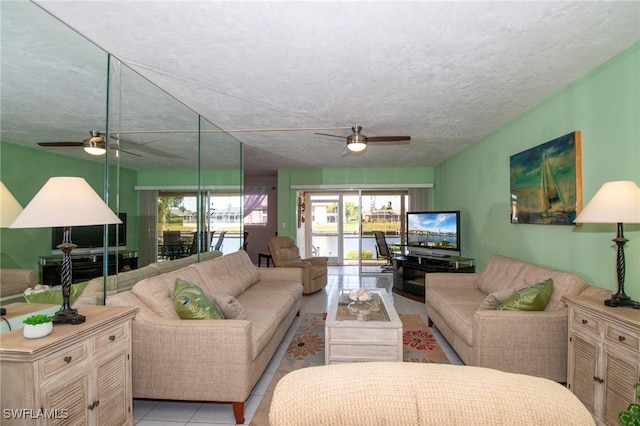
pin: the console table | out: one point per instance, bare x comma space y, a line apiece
409, 272
78, 374
86, 266
603, 357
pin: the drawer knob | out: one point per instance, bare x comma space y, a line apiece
584, 321
621, 338
112, 337
67, 359
598, 379
94, 405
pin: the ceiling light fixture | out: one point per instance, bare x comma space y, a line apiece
356, 142
95, 145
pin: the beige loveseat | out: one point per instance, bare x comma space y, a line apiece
210, 360
411, 394
527, 342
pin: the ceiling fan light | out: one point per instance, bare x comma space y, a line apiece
357, 142
95, 145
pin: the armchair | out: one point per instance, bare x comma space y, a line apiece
285, 253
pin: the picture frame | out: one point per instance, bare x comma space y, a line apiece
546, 182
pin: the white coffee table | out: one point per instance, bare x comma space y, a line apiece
362, 331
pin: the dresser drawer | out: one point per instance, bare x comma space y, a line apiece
622, 336
584, 321
117, 334
63, 360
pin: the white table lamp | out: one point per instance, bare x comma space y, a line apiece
65, 202
615, 202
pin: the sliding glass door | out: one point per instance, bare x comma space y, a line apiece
343, 223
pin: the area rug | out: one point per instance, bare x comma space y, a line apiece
307, 349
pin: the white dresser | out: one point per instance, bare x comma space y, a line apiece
77, 375
604, 356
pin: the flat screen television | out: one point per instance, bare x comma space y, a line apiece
90, 239
434, 233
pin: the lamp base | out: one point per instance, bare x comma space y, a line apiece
625, 300
68, 316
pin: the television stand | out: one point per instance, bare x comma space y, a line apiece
86, 266
411, 271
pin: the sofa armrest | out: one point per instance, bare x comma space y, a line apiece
526, 342
443, 279
295, 264
281, 274
16, 281
593, 291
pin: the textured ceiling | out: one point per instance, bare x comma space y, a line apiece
445, 73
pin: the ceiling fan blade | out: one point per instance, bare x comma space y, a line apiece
345, 152
60, 144
126, 152
388, 138
333, 136
129, 145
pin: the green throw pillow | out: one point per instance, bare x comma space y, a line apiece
534, 298
191, 302
53, 295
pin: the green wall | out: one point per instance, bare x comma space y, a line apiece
364, 176
189, 178
24, 171
605, 106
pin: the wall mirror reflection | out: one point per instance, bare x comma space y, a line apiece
61, 94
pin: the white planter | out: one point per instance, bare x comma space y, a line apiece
31, 331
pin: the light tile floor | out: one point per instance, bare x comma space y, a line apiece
174, 413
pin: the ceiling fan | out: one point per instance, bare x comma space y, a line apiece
95, 145
357, 142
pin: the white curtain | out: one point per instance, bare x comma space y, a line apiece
253, 197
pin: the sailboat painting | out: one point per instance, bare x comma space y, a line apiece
546, 182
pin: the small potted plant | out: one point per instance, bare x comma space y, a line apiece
38, 325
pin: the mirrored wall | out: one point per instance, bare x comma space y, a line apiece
57, 87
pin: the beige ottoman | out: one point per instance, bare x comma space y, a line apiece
401, 393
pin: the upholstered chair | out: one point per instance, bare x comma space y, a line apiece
285, 253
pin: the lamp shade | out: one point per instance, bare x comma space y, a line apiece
615, 202
65, 201
9, 207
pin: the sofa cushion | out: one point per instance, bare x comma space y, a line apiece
229, 305
499, 274
266, 310
230, 274
492, 301
191, 302
457, 307
533, 298
564, 283
157, 292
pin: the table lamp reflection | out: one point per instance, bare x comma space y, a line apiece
65, 202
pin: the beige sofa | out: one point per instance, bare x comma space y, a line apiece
404, 393
285, 253
93, 293
210, 360
526, 342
